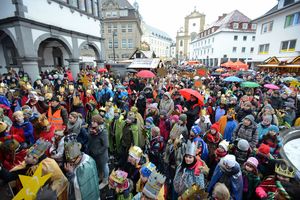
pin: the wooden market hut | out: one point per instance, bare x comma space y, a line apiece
281, 65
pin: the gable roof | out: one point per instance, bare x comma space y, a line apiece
234, 16
122, 3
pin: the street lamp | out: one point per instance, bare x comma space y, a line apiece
113, 40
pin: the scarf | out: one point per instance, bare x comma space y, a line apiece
220, 154
213, 138
75, 128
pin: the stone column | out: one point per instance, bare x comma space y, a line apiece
74, 66
30, 66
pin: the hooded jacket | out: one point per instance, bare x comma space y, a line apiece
167, 105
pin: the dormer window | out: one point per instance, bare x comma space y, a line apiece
235, 25
287, 2
245, 26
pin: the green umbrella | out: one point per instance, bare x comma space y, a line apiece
287, 79
249, 84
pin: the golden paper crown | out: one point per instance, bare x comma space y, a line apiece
62, 89
136, 152
203, 112
282, 168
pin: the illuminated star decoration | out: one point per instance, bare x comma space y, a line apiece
85, 80
31, 184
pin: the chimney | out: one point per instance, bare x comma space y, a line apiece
220, 17
224, 15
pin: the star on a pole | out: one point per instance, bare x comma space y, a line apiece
31, 184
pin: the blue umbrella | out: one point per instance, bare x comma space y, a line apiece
233, 79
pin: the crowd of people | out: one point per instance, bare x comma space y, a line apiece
104, 136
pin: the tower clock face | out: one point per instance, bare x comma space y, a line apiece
292, 151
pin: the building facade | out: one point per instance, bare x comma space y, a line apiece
193, 24
173, 50
278, 32
231, 37
121, 29
36, 35
159, 41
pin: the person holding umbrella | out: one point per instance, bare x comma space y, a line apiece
192, 110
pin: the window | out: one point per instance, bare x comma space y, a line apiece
114, 13
110, 43
253, 38
125, 55
123, 27
124, 43
253, 26
116, 43
267, 27
129, 28
288, 46
235, 25
115, 27
96, 7
251, 49
212, 50
89, 7
292, 20
243, 49
263, 49
109, 28
73, 3
123, 13
82, 5
287, 2
245, 38
245, 26
181, 43
108, 14
208, 41
130, 43
234, 50
213, 39
235, 38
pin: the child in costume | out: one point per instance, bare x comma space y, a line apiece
272, 184
119, 182
191, 171
153, 188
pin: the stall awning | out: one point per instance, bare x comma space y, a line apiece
144, 63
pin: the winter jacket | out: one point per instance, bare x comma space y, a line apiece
248, 133
263, 130
186, 177
24, 130
232, 179
167, 105
250, 182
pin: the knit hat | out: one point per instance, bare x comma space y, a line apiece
163, 112
274, 128
17, 113
267, 117
183, 117
229, 160
251, 118
215, 126
149, 120
175, 118
147, 169
98, 119
264, 149
27, 111
154, 185
224, 144
153, 106
243, 145
253, 162
3, 127
196, 129
179, 107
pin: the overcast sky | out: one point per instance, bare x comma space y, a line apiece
168, 15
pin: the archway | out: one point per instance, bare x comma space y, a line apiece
52, 53
89, 53
8, 52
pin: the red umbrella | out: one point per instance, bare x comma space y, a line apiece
271, 86
102, 70
145, 74
186, 93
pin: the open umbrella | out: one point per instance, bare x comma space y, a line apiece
186, 93
233, 79
287, 79
220, 70
131, 71
249, 84
225, 75
271, 86
145, 74
102, 70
